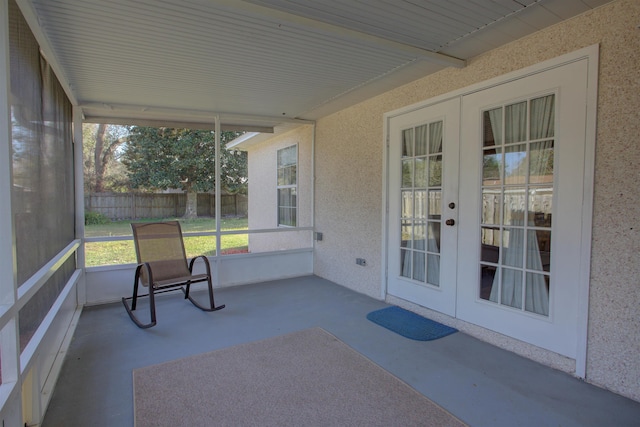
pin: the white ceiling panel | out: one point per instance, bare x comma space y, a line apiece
264, 62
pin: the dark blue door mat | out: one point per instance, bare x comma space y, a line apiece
409, 324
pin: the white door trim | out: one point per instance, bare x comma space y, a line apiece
591, 54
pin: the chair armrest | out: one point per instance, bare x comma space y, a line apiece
147, 268
206, 264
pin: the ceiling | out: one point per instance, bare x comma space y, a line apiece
262, 63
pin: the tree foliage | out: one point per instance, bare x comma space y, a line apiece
102, 168
165, 158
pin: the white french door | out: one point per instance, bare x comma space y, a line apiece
485, 206
523, 189
423, 181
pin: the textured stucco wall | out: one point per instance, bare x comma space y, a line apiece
349, 182
263, 213
614, 309
349, 198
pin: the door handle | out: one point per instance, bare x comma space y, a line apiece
450, 222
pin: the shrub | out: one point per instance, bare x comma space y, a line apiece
95, 218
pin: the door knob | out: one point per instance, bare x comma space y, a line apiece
450, 222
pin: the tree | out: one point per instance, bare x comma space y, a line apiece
165, 158
491, 166
102, 170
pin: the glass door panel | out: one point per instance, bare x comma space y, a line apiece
516, 206
421, 158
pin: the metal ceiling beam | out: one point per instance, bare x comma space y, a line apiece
336, 30
200, 115
156, 116
128, 121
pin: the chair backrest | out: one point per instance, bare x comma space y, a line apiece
161, 245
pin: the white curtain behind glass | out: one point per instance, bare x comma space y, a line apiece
433, 262
406, 226
420, 203
542, 126
537, 294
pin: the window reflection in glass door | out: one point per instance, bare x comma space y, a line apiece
421, 207
517, 203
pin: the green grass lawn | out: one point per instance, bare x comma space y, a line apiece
123, 252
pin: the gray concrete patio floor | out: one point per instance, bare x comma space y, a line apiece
479, 383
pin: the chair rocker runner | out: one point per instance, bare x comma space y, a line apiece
162, 267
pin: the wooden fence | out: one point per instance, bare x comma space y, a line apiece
164, 205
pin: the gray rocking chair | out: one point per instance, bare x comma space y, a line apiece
162, 267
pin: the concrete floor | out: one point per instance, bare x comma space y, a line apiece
479, 383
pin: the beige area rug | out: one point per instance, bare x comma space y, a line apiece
307, 378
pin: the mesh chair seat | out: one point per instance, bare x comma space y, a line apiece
162, 262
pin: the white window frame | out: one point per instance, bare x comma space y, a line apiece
286, 186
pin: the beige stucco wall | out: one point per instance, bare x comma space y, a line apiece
263, 212
349, 183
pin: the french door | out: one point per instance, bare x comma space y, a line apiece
524, 188
423, 181
485, 196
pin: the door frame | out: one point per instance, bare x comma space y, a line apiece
591, 55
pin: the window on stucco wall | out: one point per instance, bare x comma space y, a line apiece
287, 186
